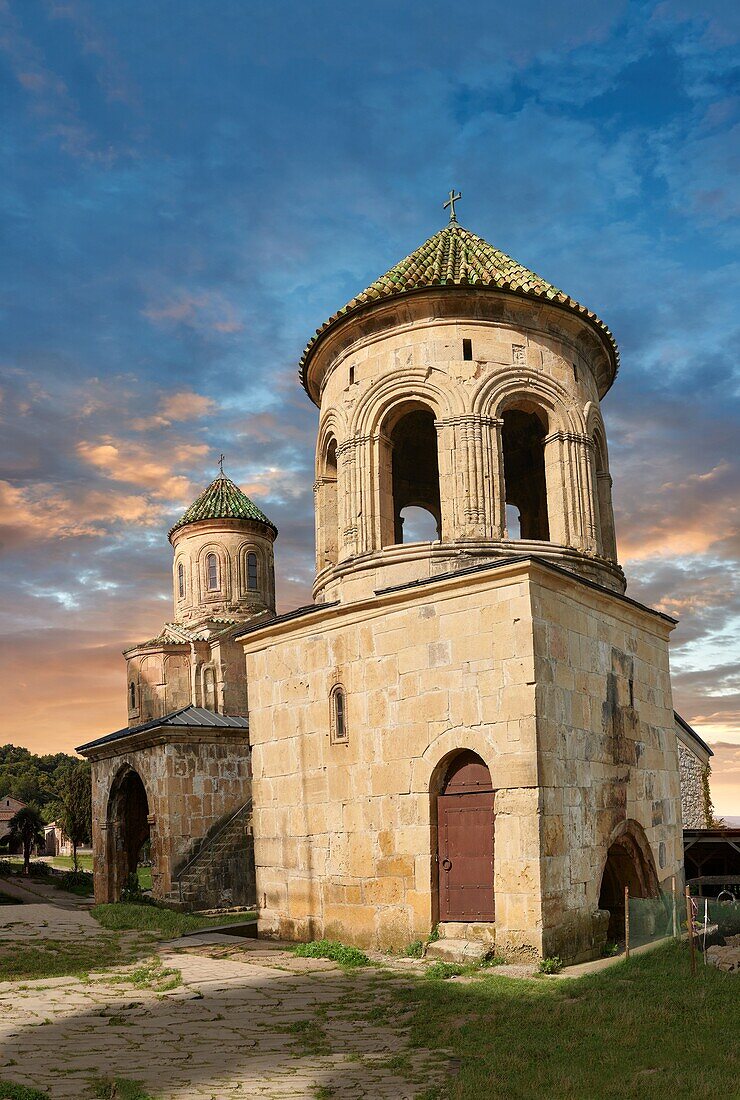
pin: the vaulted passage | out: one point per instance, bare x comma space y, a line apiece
626, 865
524, 473
128, 830
415, 469
465, 841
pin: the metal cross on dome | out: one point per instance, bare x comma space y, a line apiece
451, 203
221, 459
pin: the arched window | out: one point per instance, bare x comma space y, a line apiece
523, 438
132, 696
415, 474
338, 714
252, 572
212, 572
181, 580
604, 510
327, 511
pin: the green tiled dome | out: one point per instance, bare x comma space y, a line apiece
223, 499
456, 257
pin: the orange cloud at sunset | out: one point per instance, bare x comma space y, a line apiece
137, 464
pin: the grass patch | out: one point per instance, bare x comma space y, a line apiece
58, 958
551, 965
150, 975
144, 875
118, 1088
643, 1028
441, 971
330, 949
126, 916
310, 1038
65, 863
10, 1091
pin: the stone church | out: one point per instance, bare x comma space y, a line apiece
472, 725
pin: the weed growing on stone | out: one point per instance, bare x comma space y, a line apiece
58, 958
551, 965
118, 1088
414, 950
330, 949
150, 975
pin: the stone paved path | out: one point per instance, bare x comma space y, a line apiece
255, 1023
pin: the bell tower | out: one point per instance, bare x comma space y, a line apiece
460, 422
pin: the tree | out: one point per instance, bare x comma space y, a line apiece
26, 828
74, 809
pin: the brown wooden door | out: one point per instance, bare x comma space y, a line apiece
465, 842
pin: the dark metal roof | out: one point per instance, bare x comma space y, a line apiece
192, 717
692, 732
298, 613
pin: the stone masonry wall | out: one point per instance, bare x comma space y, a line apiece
607, 746
692, 792
344, 834
190, 784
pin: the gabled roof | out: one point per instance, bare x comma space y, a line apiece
223, 499
455, 257
691, 732
190, 716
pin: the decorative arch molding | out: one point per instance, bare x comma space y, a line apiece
334, 427
387, 397
531, 388
224, 575
602, 483
434, 761
244, 550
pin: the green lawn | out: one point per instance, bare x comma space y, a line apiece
124, 916
65, 863
641, 1029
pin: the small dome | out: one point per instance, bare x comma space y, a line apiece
455, 257
223, 499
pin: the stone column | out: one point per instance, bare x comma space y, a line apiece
606, 515
470, 446
570, 490
358, 459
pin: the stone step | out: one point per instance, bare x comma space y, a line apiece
485, 931
459, 951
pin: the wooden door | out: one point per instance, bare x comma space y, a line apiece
465, 842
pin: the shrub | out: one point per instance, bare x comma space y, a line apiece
6, 867
414, 950
609, 950
9, 1090
330, 949
441, 971
39, 869
552, 965
77, 882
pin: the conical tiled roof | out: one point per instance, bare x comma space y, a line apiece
456, 257
223, 499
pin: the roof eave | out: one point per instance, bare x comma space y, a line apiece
591, 319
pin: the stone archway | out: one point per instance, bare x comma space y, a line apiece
629, 863
128, 829
465, 835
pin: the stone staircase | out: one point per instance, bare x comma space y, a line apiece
221, 873
463, 943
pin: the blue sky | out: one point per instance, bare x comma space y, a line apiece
190, 189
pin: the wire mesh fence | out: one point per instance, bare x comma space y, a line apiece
704, 921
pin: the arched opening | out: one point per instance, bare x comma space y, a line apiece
181, 580
629, 864
338, 702
418, 525
415, 469
523, 437
128, 830
212, 572
604, 510
465, 829
327, 511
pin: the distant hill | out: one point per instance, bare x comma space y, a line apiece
731, 822
32, 778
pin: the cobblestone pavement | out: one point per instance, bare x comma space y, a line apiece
255, 1022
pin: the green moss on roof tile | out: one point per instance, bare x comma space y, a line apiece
456, 257
223, 499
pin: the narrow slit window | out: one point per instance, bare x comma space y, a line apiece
338, 715
252, 572
212, 572
467, 349
575, 372
351, 376
132, 695
181, 580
